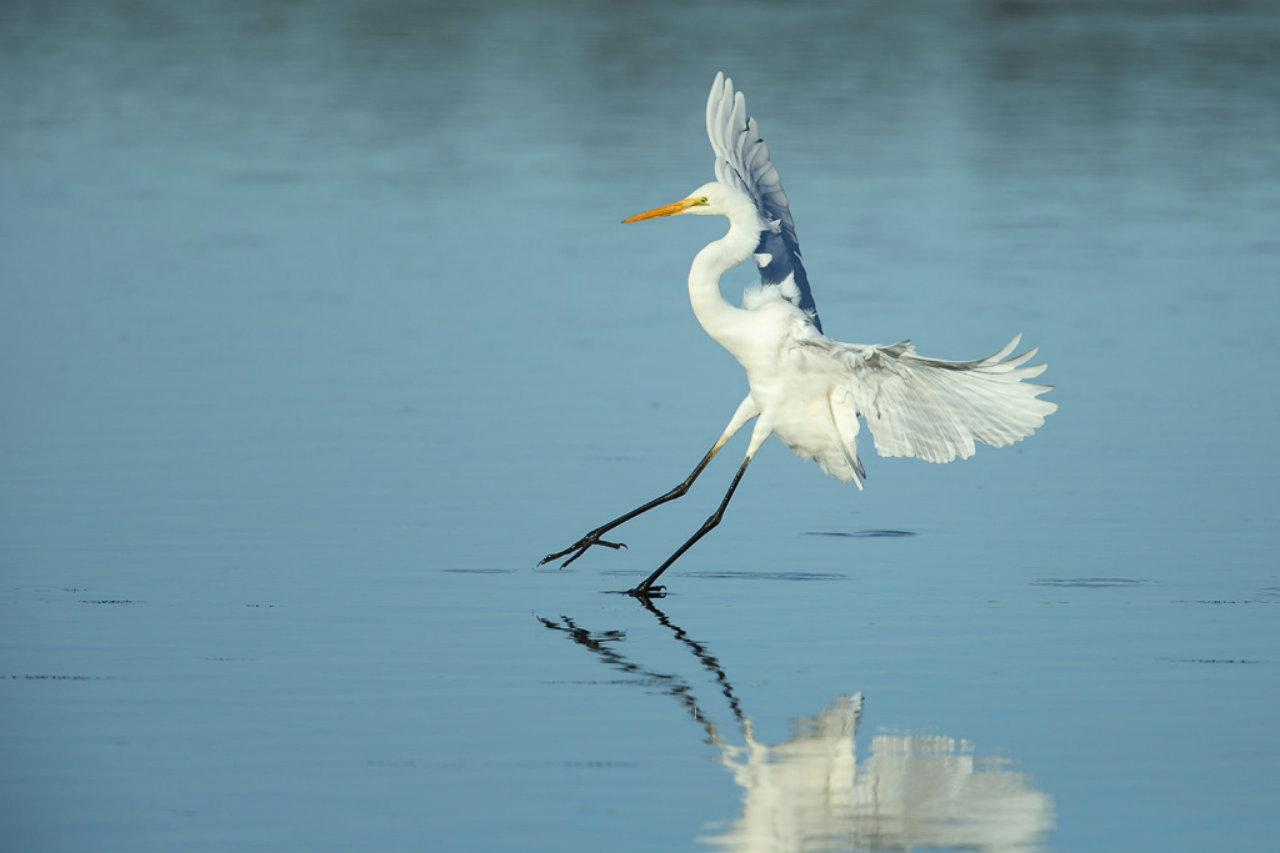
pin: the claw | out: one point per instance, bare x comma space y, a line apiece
580, 547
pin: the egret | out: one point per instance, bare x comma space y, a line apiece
804, 387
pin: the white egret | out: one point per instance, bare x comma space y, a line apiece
806, 388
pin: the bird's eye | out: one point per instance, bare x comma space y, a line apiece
702, 200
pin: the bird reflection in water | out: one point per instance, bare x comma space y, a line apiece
809, 793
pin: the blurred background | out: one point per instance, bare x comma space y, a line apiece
318, 329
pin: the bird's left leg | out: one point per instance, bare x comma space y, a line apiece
745, 412
762, 431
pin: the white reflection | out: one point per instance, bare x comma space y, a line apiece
809, 793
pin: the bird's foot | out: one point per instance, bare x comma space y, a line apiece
577, 549
644, 593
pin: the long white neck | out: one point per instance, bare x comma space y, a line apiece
718, 317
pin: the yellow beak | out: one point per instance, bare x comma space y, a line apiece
668, 209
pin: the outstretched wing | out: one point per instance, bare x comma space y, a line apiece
935, 410
742, 161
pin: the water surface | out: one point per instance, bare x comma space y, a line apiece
318, 329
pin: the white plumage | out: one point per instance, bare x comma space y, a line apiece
806, 388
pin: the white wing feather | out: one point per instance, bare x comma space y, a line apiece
935, 410
742, 162
742, 157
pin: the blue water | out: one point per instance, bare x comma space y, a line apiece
318, 329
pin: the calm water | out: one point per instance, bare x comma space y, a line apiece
318, 329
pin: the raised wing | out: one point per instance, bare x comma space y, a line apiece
935, 410
742, 161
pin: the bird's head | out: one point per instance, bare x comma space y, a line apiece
714, 198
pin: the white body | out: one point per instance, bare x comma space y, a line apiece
808, 389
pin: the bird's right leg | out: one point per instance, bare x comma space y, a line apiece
746, 411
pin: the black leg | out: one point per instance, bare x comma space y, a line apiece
647, 588
577, 549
